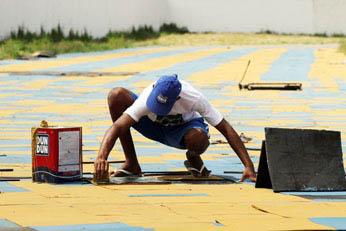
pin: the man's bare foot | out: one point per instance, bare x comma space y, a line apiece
127, 170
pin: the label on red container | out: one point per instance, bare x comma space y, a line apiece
42, 147
69, 151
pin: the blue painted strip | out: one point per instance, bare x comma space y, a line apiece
158, 166
92, 66
321, 196
218, 166
339, 223
11, 61
185, 69
341, 193
329, 200
342, 84
25, 142
293, 65
94, 53
93, 227
4, 223
170, 195
23, 159
330, 106
7, 187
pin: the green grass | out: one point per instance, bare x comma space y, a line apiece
14, 48
23, 42
343, 47
242, 39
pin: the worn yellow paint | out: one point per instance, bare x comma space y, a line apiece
9, 82
9, 112
4, 95
163, 62
329, 66
38, 84
140, 85
30, 103
95, 81
231, 205
82, 87
294, 209
42, 64
261, 61
291, 108
22, 170
68, 108
181, 156
9, 152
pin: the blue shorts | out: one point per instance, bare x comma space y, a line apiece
169, 135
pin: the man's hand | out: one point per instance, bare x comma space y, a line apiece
119, 127
234, 140
101, 169
248, 173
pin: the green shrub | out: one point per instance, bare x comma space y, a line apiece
142, 33
172, 28
343, 46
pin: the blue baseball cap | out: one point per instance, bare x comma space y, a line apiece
164, 94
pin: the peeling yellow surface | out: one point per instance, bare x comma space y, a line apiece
261, 61
230, 205
330, 65
291, 108
162, 62
31, 103
42, 64
38, 84
68, 108
140, 85
4, 95
82, 101
6, 113
22, 170
103, 80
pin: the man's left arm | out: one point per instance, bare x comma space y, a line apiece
237, 145
213, 117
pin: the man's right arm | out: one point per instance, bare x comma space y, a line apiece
119, 127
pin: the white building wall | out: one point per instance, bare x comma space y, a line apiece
285, 16
329, 16
100, 16
96, 16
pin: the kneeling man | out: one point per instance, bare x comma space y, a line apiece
171, 112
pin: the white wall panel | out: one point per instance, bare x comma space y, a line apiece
100, 16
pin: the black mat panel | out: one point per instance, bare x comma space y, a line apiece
304, 160
263, 177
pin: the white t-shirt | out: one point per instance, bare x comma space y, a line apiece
191, 104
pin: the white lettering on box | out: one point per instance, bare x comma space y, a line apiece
42, 142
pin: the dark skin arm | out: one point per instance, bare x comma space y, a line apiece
237, 145
119, 127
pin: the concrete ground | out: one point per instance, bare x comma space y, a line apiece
26, 99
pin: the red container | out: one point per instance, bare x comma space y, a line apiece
56, 154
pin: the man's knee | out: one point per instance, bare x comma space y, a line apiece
196, 140
118, 96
